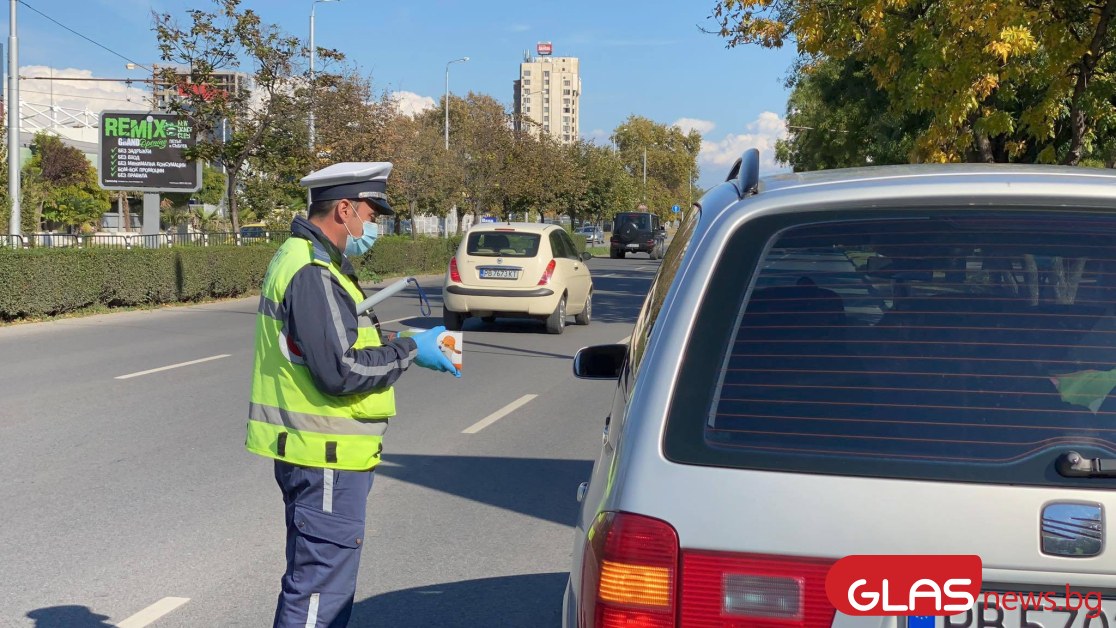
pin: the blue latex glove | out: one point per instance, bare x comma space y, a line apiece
430, 356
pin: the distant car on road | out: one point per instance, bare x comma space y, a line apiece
520, 270
253, 232
909, 360
593, 235
637, 232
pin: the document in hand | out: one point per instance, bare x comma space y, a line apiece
452, 343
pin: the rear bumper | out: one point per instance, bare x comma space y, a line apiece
642, 248
488, 301
494, 292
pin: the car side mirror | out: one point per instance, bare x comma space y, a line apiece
586, 256
600, 361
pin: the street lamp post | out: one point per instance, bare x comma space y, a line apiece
448, 64
13, 125
313, 55
644, 174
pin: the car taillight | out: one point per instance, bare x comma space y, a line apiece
454, 274
720, 590
629, 573
547, 274
650, 242
614, 239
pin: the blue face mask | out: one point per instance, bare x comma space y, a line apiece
355, 247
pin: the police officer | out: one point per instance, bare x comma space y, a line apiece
322, 389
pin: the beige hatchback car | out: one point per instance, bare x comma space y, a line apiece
518, 270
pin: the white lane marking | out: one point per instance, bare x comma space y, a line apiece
607, 276
148, 615
172, 366
499, 414
624, 340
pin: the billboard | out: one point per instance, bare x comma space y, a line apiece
544, 48
145, 151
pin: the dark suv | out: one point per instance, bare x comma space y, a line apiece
637, 232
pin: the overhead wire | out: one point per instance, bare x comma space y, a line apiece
24, 90
96, 43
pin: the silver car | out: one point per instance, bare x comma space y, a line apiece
894, 360
593, 235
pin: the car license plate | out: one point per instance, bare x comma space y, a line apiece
633, 246
499, 273
1015, 616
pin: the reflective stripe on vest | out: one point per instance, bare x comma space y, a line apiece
289, 418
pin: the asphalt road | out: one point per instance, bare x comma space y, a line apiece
127, 498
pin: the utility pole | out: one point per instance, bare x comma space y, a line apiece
13, 123
645, 174
313, 55
462, 59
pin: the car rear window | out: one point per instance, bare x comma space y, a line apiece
502, 244
639, 221
970, 347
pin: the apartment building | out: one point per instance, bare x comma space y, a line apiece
548, 95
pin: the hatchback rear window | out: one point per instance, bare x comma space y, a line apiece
502, 244
968, 347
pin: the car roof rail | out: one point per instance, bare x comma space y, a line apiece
745, 173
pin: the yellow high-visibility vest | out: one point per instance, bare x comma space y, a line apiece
289, 418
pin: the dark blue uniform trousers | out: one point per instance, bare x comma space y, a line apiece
325, 533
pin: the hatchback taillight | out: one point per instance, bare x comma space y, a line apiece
547, 274
629, 573
720, 590
455, 276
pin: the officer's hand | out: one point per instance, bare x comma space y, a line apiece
430, 355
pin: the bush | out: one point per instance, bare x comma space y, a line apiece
396, 256
580, 242
40, 282
47, 281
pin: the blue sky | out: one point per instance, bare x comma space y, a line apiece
647, 58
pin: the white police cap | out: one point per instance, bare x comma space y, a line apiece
351, 180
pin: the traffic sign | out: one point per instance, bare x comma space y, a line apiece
145, 152
676, 209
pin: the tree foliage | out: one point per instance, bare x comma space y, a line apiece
838, 117
232, 125
1015, 80
59, 187
671, 160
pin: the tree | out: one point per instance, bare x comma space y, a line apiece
425, 178
60, 186
1019, 80
671, 160
232, 125
837, 117
609, 187
485, 137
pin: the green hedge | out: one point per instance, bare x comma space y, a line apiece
397, 256
40, 282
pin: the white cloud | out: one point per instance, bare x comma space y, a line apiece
596, 136
411, 103
718, 155
694, 124
95, 96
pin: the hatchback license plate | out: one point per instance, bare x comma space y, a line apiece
499, 273
633, 246
1035, 617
